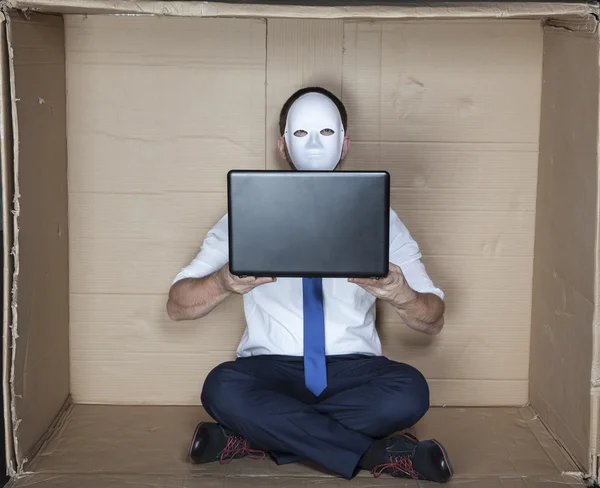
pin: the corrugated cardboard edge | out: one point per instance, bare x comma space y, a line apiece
15, 253
587, 25
595, 374
7, 235
217, 9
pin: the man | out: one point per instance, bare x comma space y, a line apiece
281, 396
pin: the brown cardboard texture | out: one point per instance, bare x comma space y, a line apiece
117, 134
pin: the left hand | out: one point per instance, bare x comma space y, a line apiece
391, 288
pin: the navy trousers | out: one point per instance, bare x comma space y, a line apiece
264, 399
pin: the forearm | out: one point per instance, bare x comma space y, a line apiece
424, 312
194, 298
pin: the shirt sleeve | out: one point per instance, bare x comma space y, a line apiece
213, 254
404, 252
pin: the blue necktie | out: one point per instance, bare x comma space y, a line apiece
315, 369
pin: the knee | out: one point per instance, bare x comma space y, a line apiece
415, 393
219, 391
415, 396
407, 402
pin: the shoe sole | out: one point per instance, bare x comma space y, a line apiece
446, 457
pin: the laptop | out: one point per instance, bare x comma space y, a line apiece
308, 223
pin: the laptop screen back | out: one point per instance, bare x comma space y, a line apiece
292, 223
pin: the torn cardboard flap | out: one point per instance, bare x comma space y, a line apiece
6, 162
13, 457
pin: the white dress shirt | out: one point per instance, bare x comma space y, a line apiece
274, 313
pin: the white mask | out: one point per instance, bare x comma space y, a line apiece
314, 133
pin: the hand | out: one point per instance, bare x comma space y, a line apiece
235, 284
391, 288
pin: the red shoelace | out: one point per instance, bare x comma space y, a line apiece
237, 447
397, 465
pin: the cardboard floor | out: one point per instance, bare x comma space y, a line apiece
146, 446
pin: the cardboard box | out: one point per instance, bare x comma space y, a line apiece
118, 123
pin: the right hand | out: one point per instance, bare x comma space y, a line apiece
235, 284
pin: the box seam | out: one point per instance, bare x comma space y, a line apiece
577, 474
56, 429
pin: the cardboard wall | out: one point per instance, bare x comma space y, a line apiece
160, 109
565, 246
452, 111
40, 375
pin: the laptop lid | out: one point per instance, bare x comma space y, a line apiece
308, 223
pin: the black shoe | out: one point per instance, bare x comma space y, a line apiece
406, 457
212, 442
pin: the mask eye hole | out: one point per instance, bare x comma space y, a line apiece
300, 133
327, 132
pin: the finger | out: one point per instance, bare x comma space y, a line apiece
245, 280
364, 281
394, 268
358, 282
264, 280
